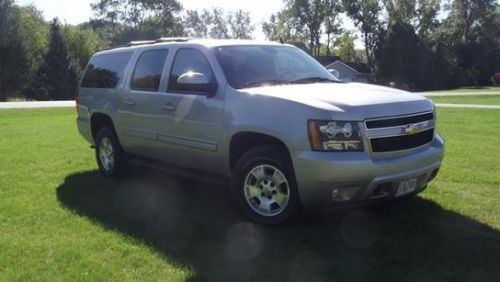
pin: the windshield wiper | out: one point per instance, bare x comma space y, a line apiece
314, 79
264, 82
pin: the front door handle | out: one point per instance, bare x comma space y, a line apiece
168, 107
129, 102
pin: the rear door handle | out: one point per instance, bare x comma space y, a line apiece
168, 107
129, 102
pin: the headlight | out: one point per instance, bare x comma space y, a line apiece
335, 136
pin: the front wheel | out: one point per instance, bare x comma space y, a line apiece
263, 184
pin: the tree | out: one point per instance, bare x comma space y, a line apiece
111, 11
127, 20
165, 14
34, 31
467, 14
282, 26
82, 43
13, 57
218, 24
240, 25
365, 15
402, 11
311, 14
472, 36
56, 79
219, 29
402, 57
332, 23
196, 24
427, 11
345, 48
302, 21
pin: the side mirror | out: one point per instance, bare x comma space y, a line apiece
197, 82
335, 73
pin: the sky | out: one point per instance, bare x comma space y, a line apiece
77, 11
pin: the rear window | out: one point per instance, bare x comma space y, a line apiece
105, 71
147, 73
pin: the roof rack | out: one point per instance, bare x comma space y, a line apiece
142, 42
159, 40
172, 39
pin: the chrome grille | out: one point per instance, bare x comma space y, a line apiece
401, 132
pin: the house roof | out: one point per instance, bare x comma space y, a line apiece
355, 66
327, 60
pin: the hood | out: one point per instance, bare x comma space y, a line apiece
349, 101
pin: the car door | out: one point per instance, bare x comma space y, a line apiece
137, 112
190, 131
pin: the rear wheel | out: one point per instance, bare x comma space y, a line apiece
263, 184
109, 155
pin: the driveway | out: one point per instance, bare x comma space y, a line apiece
467, 106
37, 104
471, 93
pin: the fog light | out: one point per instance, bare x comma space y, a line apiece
343, 193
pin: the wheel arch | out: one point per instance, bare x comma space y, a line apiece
243, 141
99, 120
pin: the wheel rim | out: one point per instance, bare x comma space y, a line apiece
106, 154
267, 190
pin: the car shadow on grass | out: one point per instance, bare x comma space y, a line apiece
196, 225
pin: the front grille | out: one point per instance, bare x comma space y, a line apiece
404, 142
397, 121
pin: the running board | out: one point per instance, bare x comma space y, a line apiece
180, 171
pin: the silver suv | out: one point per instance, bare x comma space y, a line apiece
265, 116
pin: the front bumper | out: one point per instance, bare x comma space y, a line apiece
365, 178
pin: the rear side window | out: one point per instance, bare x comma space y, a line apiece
105, 71
147, 73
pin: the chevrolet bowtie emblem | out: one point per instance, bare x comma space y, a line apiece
411, 129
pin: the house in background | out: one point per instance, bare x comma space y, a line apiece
327, 60
350, 71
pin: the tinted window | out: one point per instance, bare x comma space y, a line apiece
188, 60
147, 73
105, 71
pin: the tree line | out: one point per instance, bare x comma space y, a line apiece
419, 44
42, 60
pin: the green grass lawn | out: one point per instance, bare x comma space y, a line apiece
478, 100
60, 220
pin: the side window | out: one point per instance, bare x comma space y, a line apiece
106, 71
188, 60
148, 70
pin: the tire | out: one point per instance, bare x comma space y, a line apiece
264, 187
109, 154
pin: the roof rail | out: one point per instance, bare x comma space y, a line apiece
159, 40
172, 39
142, 42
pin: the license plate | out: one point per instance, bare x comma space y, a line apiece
406, 187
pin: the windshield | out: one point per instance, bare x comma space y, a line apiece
256, 65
